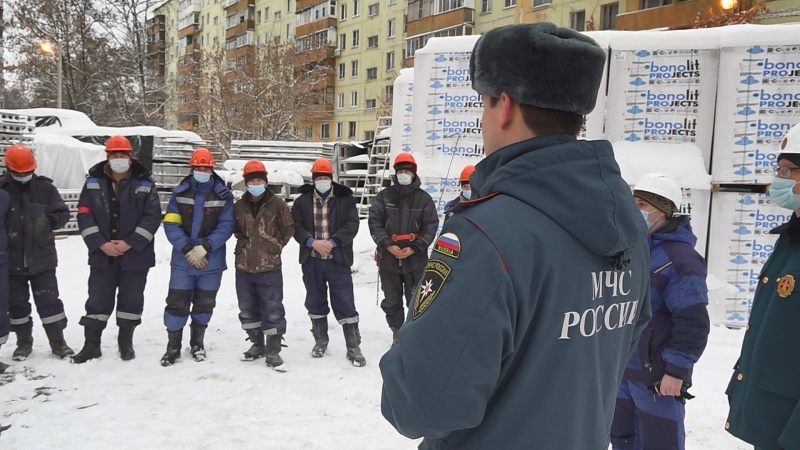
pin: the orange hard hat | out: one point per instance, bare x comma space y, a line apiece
254, 166
405, 158
322, 165
20, 159
118, 144
465, 173
202, 157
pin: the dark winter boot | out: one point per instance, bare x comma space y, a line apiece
273, 359
125, 342
196, 341
395, 332
91, 346
24, 345
173, 348
352, 339
319, 328
58, 345
258, 349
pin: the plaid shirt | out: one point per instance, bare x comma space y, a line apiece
321, 225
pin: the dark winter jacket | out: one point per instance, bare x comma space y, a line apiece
263, 228
200, 214
342, 218
453, 206
36, 210
399, 210
5, 207
138, 211
677, 333
764, 390
528, 309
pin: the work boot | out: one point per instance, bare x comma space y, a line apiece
395, 332
173, 348
24, 345
58, 345
91, 346
125, 342
196, 341
319, 329
273, 358
352, 339
258, 349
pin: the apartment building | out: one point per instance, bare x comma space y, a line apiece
365, 43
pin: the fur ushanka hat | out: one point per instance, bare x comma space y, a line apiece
539, 64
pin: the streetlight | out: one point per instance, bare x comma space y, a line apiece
55, 50
728, 5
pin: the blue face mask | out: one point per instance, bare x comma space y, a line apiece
646, 215
257, 189
201, 177
466, 193
780, 191
24, 179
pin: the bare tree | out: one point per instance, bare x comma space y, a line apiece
262, 93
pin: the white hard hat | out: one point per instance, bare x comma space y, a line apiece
661, 185
791, 141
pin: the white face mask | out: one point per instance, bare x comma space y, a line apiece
404, 179
119, 165
323, 186
466, 193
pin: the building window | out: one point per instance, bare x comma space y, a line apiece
646, 4
577, 20
338, 129
343, 12
390, 61
372, 10
353, 100
288, 5
372, 41
351, 129
541, 2
216, 19
342, 41
371, 103
353, 69
308, 132
277, 15
324, 131
369, 135
356, 8
509, 3
486, 6
392, 27
258, 16
392, 2
388, 93
340, 100
266, 14
372, 73
356, 38
288, 30
341, 71
608, 16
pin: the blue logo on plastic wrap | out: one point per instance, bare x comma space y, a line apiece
755, 50
440, 58
744, 141
433, 136
749, 80
633, 138
746, 111
642, 53
435, 111
437, 85
409, 108
638, 81
738, 260
736, 317
742, 171
747, 200
635, 110
407, 148
407, 128
742, 230
739, 289
430, 189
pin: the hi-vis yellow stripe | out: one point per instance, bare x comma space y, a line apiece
173, 218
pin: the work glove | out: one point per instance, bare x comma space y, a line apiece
195, 255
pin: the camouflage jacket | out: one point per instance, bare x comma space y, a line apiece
262, 230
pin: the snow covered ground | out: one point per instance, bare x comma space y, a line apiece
226, 403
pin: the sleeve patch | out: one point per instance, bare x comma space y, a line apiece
448, 244
173, 218
436, 272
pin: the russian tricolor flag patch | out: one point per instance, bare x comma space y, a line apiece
448, 244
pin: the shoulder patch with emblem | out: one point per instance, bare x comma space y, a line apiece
436, 272
448, 244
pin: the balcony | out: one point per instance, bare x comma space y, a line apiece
313, 27
303, 4
234, 6
676, 16
240, 28
449, 19
188, 6
306, 56
154, 48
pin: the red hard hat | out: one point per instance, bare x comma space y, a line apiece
465, 173
322, 165
405, 158
118, 144
202, 157
254, 166
20, 159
